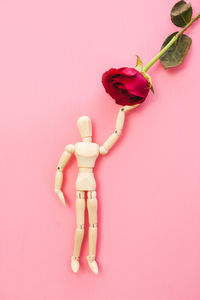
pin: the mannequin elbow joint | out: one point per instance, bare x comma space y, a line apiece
118, 132
59, 168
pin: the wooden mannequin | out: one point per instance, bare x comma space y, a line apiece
86, 154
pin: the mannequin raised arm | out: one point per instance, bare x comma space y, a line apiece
69, 150
118, 128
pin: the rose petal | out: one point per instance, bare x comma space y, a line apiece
128, 71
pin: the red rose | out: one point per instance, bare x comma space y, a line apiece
126, 85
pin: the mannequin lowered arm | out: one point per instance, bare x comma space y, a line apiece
109, 143
69, 150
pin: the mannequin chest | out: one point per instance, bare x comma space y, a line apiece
86, 153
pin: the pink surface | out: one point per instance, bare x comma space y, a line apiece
52, 57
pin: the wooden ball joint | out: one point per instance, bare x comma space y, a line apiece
86, 153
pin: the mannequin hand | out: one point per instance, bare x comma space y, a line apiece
61, 196
130, 107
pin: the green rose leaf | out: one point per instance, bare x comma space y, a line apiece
181, 13
175, 55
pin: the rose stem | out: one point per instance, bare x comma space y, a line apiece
170, 44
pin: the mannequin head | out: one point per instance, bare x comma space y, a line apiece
85, 128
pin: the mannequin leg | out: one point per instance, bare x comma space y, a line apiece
79, 233
92, 213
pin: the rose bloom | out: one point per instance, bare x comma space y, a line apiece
126, 85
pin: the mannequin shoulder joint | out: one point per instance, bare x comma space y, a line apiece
70, 148
102, 150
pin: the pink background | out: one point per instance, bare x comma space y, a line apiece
52, 57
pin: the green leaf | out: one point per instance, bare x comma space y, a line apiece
181, 13
175, 55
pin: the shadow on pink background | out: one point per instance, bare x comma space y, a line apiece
52, 57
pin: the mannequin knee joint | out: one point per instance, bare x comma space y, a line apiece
80, 226
80, 195
92, 195
93, 225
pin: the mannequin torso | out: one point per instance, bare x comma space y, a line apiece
86, 154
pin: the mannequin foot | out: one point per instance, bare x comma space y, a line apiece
92, 264
75, 264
